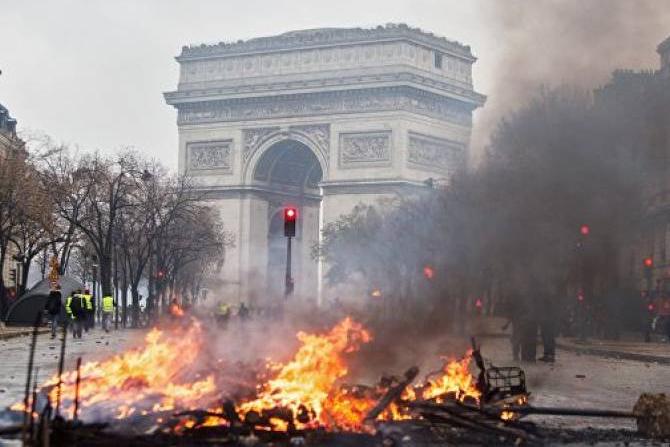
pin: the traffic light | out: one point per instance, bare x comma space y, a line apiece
12, 275
648, 262
290, 216
584, 230
428, 272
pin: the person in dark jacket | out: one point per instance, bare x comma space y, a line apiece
548, 318
53, 308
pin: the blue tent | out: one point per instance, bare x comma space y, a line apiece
23, 311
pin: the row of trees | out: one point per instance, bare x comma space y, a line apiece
125, 219
550, 214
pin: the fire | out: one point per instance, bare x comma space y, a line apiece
455, 379
304, 392
306, 384
176, 310
152, 378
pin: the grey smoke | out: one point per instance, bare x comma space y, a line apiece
555, 42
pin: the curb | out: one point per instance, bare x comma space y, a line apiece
607, 353
10, 335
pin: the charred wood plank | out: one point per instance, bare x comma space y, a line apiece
392, 394
468, 417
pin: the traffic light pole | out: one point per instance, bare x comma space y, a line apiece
288, 282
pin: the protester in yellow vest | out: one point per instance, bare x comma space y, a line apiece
75, 306
90, 311
107, 310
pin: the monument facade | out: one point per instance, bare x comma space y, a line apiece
322, 120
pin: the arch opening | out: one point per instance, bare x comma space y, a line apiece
290, 172
289, 164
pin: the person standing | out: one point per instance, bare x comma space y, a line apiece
108, 306
77, 308
243, 312
513, 311
548, 320
53, 307
90, 310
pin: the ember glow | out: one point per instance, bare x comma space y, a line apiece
308, 391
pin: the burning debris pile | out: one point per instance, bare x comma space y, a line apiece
170, 387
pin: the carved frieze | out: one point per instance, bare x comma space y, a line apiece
434, 154
365, 148
319, 133
326, 103
210, 155
253, 138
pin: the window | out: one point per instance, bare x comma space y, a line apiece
438, 60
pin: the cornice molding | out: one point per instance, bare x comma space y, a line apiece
277, 88
324, 37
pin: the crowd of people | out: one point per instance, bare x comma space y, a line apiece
77, 311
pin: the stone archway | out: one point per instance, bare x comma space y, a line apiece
292, 172
373, 106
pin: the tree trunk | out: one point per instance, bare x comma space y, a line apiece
25, 270
124, 298
4, 302
135, 305
106, 274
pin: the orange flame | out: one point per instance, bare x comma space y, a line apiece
160, 376
176, 310
455, 380
152, 378
305, 384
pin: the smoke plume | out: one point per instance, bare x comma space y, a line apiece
555, 42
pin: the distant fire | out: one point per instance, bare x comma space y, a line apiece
163, 376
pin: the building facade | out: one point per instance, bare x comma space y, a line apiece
322, 120
645, 95
10, 144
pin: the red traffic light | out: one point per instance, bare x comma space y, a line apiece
428, 272
290, 213
290, 217
648, 262
478, 303
650, 307
584, 230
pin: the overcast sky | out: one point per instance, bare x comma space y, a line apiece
92, 72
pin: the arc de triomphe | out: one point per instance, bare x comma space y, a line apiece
321, 119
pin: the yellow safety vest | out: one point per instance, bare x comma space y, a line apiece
107, 304
89, 301
68, 301
224, 308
